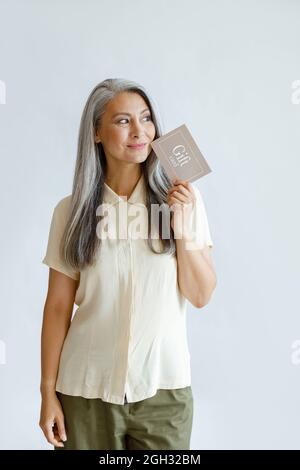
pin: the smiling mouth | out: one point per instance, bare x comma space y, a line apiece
139, 146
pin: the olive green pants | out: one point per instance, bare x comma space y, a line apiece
163, 422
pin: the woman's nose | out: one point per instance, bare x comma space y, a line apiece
137, 127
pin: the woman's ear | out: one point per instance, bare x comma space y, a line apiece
97, 137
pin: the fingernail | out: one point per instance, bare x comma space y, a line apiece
64, 438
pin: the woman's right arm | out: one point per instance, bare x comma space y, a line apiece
56, 322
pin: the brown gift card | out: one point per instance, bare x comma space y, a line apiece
180, 156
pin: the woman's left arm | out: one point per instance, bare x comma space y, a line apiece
196, 275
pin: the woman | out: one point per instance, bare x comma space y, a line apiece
117, 376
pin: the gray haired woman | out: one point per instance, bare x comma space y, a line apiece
117, 374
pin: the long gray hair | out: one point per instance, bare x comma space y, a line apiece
80, 242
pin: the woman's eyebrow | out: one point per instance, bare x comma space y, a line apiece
128, 114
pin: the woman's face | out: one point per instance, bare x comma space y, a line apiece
119, 130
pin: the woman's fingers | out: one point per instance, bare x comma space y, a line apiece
180, 188
182, 191
177, 195
52, 421
61, 428
49, 434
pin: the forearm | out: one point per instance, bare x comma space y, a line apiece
54, 330
196, 279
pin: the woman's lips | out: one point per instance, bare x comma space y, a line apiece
139, 146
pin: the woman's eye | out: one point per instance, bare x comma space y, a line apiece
125, 119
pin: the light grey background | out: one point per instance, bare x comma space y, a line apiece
226, 69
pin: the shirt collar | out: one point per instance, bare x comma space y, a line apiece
138, 196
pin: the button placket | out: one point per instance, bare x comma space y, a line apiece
128, 246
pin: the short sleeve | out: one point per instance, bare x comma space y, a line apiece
200, 227
52, 257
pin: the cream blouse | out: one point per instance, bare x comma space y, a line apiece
128, 334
